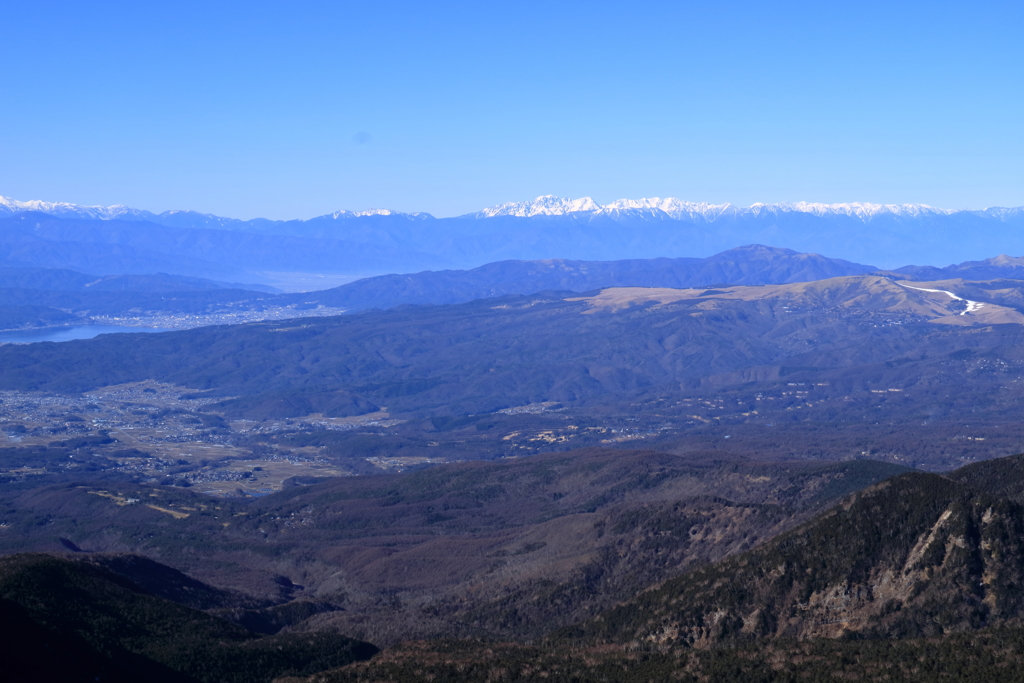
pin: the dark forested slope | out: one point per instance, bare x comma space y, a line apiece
74, 620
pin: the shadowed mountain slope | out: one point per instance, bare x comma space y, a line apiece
98, 624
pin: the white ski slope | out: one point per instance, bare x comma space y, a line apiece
972, 306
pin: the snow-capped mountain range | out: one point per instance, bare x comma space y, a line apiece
10, 206
106, 213
379, 241
547, 205
678, 209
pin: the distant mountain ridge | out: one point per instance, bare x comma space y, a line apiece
998, 267
118, 246
43, 295
63, 280
678, 209
546, 205
175, 217
40, 297
748, 265
381, 241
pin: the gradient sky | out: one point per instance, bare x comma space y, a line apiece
291, 110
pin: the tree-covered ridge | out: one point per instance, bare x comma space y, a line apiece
989, 656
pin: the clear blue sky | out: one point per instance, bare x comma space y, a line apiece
295, 109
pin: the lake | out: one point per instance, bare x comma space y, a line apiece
59, 334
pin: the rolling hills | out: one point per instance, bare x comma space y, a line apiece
83, 297
860, 366
845, 334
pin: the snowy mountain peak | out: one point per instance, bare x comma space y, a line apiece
676, 208
8, 205
647, 208
342, 214
668, 204
548, 205
858, 209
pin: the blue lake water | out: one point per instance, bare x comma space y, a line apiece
59, 334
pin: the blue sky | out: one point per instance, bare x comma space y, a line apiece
291, 110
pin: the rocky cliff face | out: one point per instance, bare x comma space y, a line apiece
917, 555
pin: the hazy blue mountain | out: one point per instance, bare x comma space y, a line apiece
997, 268
749, 265
35, 240
32, 239
64, 280
33, 315
379, 241
49, 279
38, 291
